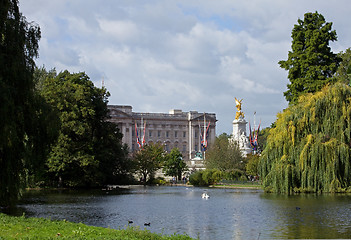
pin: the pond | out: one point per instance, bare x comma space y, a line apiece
227, 214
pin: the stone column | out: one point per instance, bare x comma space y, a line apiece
190, 130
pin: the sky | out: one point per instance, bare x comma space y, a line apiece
192, 55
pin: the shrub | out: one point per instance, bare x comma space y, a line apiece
233, 174
206, 177
196, 179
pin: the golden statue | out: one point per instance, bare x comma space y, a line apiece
238, 109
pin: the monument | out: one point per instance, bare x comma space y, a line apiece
239, 130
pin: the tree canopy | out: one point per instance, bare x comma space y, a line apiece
252, 164
311, 63
343, 74
18, 47
148, 160
309, 149
224, 155
88, 150
174, 164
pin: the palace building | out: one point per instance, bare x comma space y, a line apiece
176, 129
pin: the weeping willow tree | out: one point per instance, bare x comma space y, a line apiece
309, 149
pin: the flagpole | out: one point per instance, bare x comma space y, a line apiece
254, 121
142, 132
204, 136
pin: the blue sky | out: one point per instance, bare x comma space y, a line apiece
191, 55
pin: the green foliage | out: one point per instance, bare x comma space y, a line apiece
196, 179
309, 149
234, 174
224, 155
211, 176
148, 160
40, 228
159, 181
343, 74
223, 161
262, 138
174, 164
72, 158
114, 164
252, 164
206, 177
40, 75
311, 63
18, 48
45, 127
88, 150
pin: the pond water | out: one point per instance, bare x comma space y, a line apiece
227, 214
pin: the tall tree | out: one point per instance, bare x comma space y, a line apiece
311, 63
343, 74
174, 164
114, 164
148, 160
82, 109
252, 164
224, 155
309, 149
18, 48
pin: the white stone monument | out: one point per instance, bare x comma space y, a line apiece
239, 130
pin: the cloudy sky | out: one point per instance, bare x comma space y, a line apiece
197, 55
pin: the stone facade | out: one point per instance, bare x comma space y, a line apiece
174, 129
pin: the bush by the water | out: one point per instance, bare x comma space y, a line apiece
309, 149
196, 179
211, 176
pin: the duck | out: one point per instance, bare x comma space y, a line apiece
147, 224
130, 221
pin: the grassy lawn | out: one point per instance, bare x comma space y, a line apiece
40, 228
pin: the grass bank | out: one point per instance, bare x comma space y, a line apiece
40, 228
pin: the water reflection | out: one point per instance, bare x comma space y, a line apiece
227, 214
311, 216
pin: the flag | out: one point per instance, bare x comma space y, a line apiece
143, 142
204, 141
137, 136
253, 137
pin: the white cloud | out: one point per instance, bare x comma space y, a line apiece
122, 31
157, 55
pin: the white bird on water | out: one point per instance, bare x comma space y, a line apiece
205, 196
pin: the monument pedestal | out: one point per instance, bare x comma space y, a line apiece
239, 135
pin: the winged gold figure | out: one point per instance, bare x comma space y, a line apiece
239, 113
